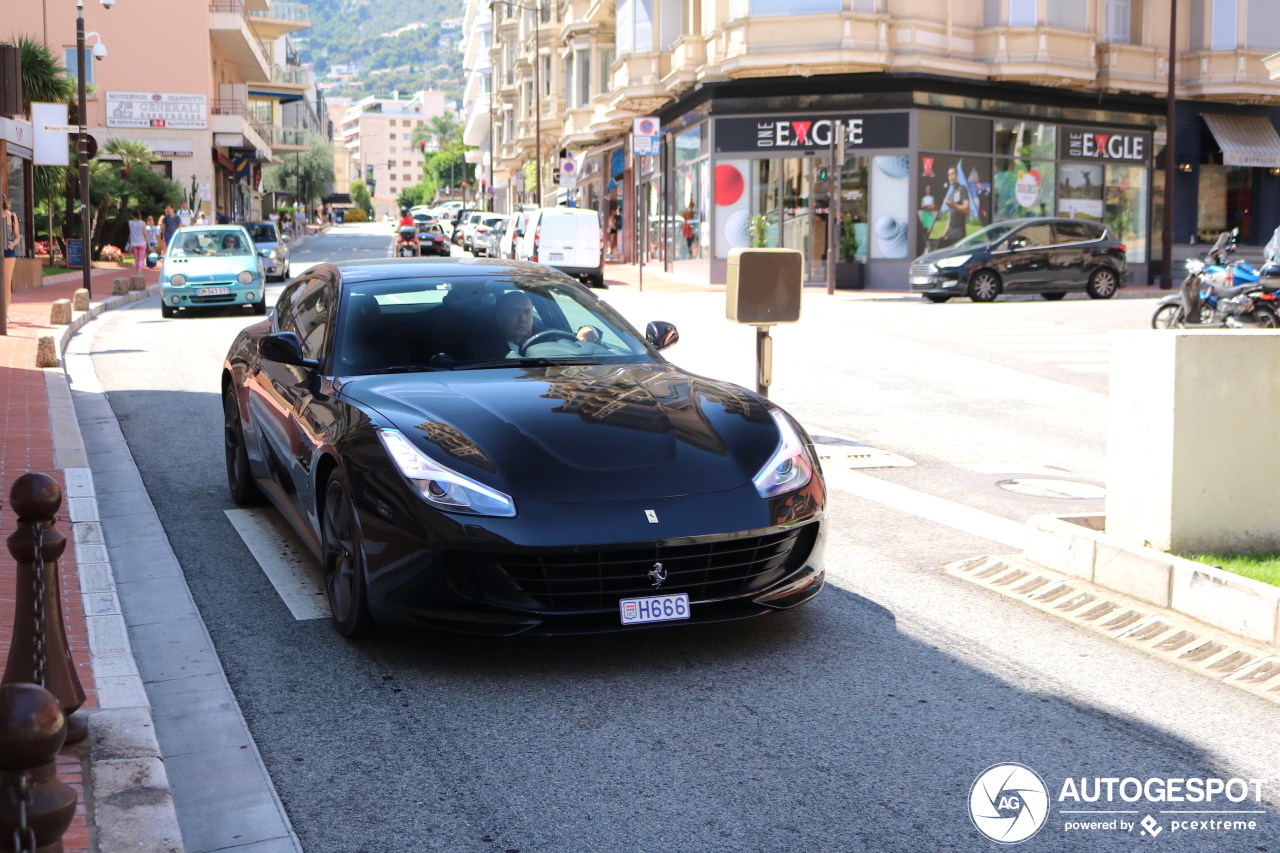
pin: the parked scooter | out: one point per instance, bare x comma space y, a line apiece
1218, 294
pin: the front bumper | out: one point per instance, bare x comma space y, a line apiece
948, 282
188, 296
563, 568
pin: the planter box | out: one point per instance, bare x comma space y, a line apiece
27, 273
849, 276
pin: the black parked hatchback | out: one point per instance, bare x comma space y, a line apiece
1052, 257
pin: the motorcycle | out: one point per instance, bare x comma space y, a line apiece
407, 245
1211, 295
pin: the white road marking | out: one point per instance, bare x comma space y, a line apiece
297, 577
939, 510
1087, 368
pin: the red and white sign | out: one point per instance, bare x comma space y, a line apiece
1089, 144
1027, 188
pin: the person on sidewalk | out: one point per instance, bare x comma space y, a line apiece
12, 234
187, 215
169, 224
222, 218
153, 234
137, 241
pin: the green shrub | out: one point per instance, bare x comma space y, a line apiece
355, 214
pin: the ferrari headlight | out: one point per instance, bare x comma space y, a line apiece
439, 486
177, 280
245, 277
790, 467
952, 263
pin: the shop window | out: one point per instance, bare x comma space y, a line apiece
973, 134
690, 190
1026, 139
954, 199
1080, 189
1023, 188
853, 210
934, 130
1126, 205
889, 181
1023, 13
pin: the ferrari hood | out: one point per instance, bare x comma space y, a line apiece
581, 432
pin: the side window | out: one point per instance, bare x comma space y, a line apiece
307, 315
1032, 235
1072, 232
284, 320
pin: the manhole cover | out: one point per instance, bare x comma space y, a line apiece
1036, 487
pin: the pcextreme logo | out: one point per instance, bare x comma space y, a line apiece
1009, 803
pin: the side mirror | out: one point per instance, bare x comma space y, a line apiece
519, 233
285, 348
1018, 243
661, 334
284, 238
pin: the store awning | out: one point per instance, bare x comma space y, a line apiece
1245, 140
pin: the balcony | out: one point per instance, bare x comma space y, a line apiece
637, 84
1132, 68
799, 45
1272, 64
1039, 56
1233, 76
688, 56
231, 118
229, 25
280, 18
285, 139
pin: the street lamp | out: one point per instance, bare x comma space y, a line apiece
537, 93
82, 141
1170, 150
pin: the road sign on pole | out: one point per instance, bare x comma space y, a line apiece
645, 136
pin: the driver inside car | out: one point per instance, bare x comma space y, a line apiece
514, 314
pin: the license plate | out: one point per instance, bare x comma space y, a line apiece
657, 608
920, 279
556, 256
213, 291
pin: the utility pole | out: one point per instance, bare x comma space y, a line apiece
1170, 151
537, 85
82, 156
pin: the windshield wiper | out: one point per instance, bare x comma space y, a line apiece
406, 368
530, 362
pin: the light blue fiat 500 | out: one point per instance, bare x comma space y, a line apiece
208, 266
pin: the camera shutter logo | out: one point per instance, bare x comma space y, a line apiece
1008, 803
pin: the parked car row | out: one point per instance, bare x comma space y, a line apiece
568, 239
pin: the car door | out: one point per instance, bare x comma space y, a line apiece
1068, 258
1024, 258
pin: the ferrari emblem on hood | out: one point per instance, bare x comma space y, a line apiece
651, 515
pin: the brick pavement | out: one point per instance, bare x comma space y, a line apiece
26, 444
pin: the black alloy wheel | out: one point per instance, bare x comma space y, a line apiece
1103, 284
344, 562
1053, 297
984, 286
1168, 317
244, 490
937, 298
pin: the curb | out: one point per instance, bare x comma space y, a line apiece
132, 806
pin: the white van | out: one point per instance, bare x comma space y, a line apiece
564, 238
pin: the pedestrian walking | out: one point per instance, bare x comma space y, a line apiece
12, 235
137, 240
153, 234
222, 218
186, 215
169, 225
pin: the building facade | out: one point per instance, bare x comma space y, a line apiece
1034, 107
378, 133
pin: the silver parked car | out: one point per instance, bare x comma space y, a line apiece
273, 246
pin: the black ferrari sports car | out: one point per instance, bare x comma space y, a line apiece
485, 446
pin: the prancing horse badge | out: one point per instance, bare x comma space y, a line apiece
651, 515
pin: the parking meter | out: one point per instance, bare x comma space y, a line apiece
764, 288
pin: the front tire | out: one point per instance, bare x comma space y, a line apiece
244, 489
1168, 317
1053, 297
1103, 284
343, 551
937, 298
166, 311
984, 286
260, 308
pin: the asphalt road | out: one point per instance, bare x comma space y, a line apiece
858, 722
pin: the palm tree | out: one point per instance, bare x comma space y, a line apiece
131, 153
44, 80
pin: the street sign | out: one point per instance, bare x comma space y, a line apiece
645, 136
568, 174
49, 147
60, 128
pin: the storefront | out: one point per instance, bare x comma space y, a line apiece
914, 179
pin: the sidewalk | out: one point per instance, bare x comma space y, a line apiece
27, 444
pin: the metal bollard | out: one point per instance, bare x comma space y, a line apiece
35, 806
38, 651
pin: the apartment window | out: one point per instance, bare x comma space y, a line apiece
606, 66
635, 26
1262, 28
774, 8
1066, 14
1222, 26
670, 22
406, 163
1022, 13
69, 60
583, 60
528, 98
511, 62
566, 78
391, 164
1118, 16
546, 77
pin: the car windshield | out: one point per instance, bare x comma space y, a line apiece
477, 322
263, 232
492, 221
195, 243
987, 236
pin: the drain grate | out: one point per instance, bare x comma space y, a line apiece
1199, 648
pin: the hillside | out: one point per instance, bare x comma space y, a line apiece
370, 47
